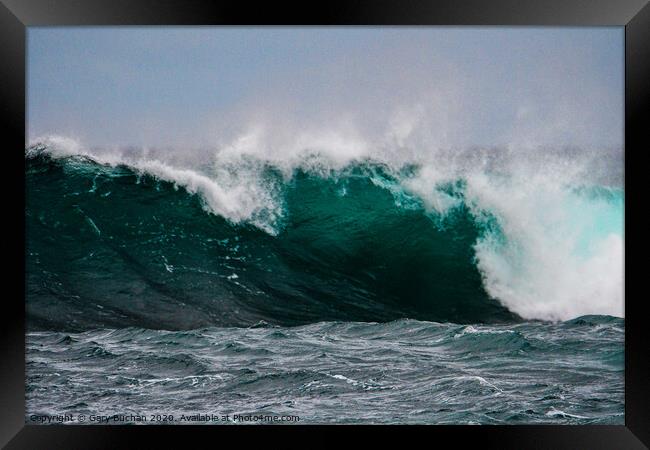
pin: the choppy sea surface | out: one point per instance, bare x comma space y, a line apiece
404, 371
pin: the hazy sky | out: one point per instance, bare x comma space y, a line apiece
172, 86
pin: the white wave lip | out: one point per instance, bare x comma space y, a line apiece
560, 252
237, 194
558, 261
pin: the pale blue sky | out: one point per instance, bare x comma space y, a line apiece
173, 85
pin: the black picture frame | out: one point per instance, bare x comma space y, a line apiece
16, 15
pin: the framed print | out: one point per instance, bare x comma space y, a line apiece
374, 215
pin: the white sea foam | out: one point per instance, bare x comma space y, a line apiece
556, 412
560, 254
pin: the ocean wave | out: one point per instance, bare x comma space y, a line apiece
114, 238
